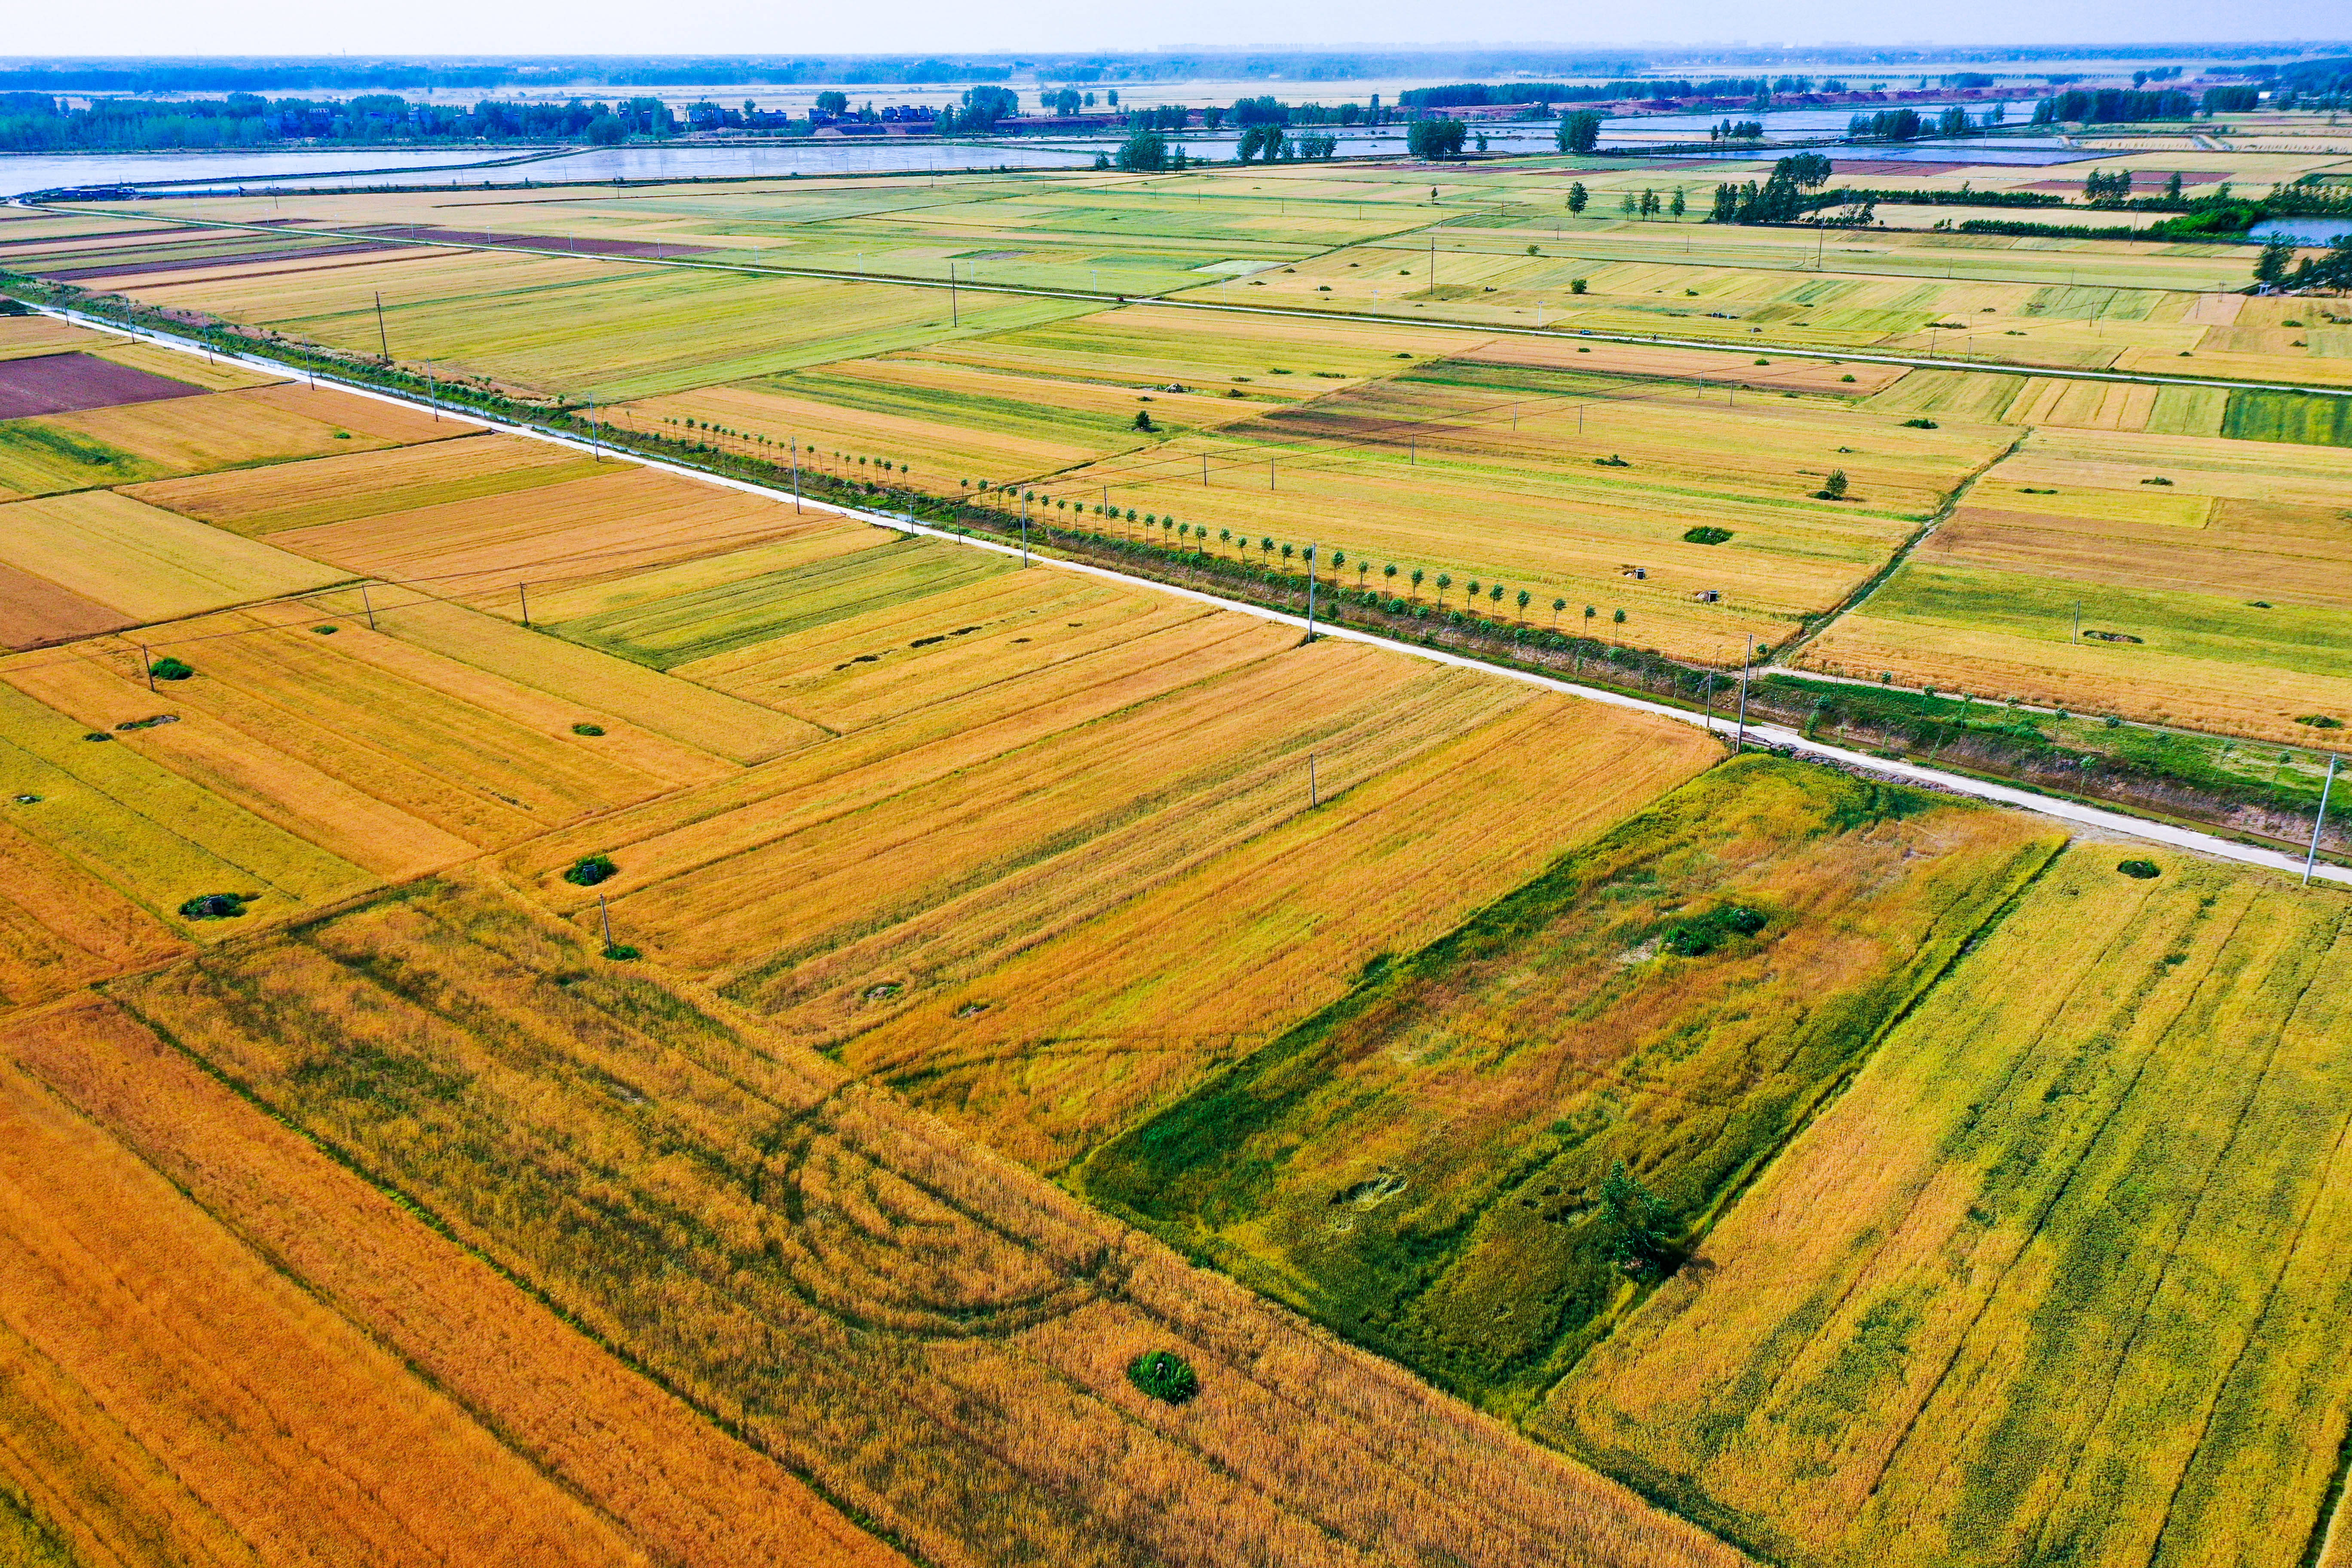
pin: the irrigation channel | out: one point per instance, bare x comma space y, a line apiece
1772, 736
1715, 345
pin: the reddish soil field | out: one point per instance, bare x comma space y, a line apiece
60, 383
198, 263
36, 612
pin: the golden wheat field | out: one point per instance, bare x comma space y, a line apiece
850, 1290
2000, 1295
569, 1005
2189, 580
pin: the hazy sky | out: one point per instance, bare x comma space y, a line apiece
590, 27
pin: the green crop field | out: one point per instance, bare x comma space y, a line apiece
1420, 1165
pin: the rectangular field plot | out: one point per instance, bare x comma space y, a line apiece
2217, 598
60, 926
1570, 486
1269, 917
35, 611
26, 336
1420, 1163
1266, 358
255, 501
623, 330
1014, 633
393, 758
155, 837
60, 384
171, 1396
706, 622
646, 1462
942, 424
143, 561
609, 521
923, 1321
2064, 1264
254, 425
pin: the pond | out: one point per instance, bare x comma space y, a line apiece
20, 172
2303, 230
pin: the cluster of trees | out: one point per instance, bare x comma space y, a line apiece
979, 113
2101, 186
2277, 268
2111, 105
1434, 138
37, 122
1886, 125
1737, 130
1273, 144
1148, 150
1167, 116
1580, 131
1782, 198
2232, 100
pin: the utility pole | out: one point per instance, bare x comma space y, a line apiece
148, 664
1314, 794
1269, 473
432, 398
1432, 266
1740, 744
1024, 528
1204, 470
1310, 592
953, 318
367, 604
2313, 859
605, 910
595, 451
524, 589
796, 473
2076, 635
383, 342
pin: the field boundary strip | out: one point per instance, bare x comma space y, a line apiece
1774, 736
1112, 301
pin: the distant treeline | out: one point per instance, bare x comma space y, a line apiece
1474, 94
35, 123
2105, 106
1619, 69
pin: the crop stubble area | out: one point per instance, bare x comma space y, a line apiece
1020, 972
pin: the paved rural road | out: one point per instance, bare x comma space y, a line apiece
1651, 340
1772, 735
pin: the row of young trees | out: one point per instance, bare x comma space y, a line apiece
1402, 584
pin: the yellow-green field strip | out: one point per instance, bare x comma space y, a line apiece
1713, 345
1726, 726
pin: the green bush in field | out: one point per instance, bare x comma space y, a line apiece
1164, 1376
170, 668
2142, 870
590, 870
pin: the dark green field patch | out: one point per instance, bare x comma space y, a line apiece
1419, 1165
668, 632
2306, 418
